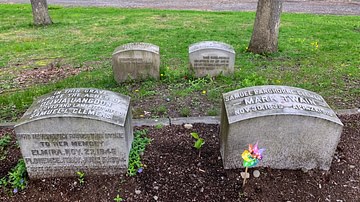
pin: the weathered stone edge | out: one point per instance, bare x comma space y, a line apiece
183, 120
154, 122
347, 111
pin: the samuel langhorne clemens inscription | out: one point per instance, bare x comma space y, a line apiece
76, 129
267, 100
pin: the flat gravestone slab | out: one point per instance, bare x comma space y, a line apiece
296, 126
136, 61
78, 129
211, 58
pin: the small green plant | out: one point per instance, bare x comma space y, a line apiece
16, 178
118, 198
4, 183
81, 177
212, 112
197, 84
138, 147
242, 195
185, 112
253, 80
159, 126
161, 109
199, 141
4, 142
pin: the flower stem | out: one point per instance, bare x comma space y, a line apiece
246, 169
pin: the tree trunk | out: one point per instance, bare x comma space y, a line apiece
40, 12
266, 27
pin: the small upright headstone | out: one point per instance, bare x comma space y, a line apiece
136, 61
296, 126
78, 129
211, 58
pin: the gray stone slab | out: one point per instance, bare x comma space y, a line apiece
78, 129
136, 61
211, 58
151, 122
296, 126
204, 119
348, 111
7, 125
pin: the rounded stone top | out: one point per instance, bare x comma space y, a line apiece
137, 46
211, 45
87, 103
268, 100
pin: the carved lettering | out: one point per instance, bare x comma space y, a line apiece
253, 101
53, 147
83, 102
87, 143
211, 62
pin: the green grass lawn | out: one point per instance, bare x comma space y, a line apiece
320, 53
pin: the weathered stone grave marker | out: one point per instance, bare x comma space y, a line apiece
211, 58
296, 126
78, 129
136, 61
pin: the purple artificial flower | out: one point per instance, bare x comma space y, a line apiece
140, 170
15, 190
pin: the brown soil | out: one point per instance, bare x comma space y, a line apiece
22, 78
175, 172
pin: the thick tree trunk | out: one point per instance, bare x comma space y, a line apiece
40, 12
266, 27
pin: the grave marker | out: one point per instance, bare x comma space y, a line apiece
78, 129
211, 58
136, 61
296, 126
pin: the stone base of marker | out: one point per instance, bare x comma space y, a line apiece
87, 130
136, 61
296, 126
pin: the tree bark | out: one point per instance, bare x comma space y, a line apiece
40, 12
266, 27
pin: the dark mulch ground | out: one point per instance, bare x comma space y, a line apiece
175, 172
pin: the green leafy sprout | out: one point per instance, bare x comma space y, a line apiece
138, 147
118, 198
81, 177
199, 141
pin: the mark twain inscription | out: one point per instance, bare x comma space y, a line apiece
296, 126
79, 129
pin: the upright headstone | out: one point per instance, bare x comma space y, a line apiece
78, 129
296, 126
136, 61
211, 58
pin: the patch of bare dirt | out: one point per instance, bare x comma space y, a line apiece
47, 74
19, 78
175, 172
